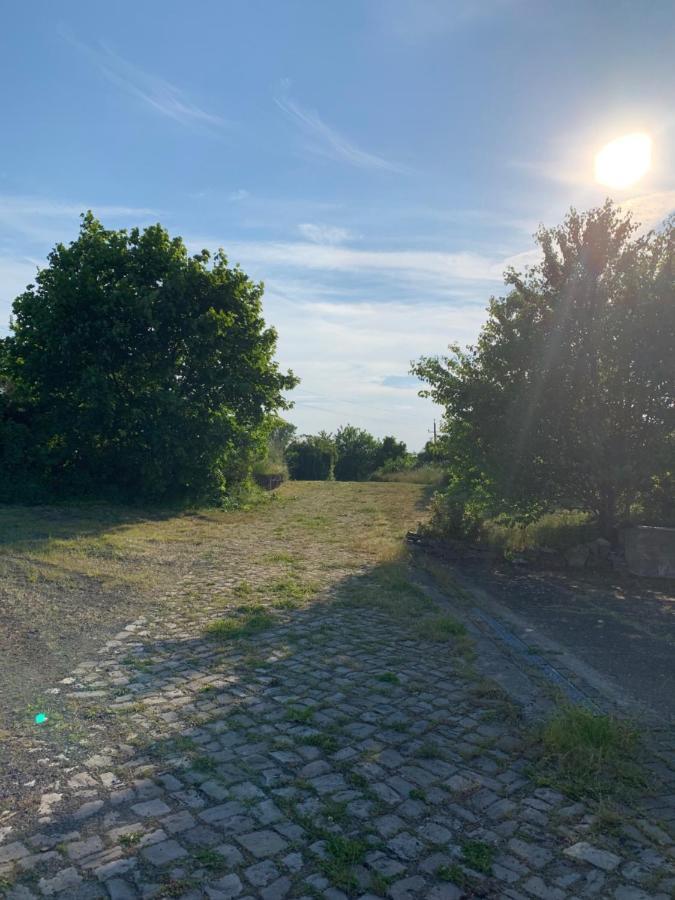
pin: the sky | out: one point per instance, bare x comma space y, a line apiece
377, 163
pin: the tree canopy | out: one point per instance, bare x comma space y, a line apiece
311, 457
568, 396
136, 370
356, 453
351, 454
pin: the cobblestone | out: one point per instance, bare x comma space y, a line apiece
286, 766
600, 858
65, 880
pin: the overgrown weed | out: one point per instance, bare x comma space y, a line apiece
589, 755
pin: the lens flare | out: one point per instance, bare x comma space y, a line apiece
624, 160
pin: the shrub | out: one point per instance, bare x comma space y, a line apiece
311, 457
457, 513
656, 505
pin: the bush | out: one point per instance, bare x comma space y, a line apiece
274, 461
19, 481
311, 458
656, 505
353, 454
457, 513
567, 394
393, 453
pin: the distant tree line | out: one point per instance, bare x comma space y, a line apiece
567, 399
134, 370
351, 454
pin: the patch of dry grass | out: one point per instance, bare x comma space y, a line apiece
72, 575
429, 475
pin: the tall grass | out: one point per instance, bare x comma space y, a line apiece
269, 466
428, 474
557, 530
586, 754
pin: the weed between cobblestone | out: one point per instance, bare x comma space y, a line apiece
333, 749
478, 855
588, 754
343, 855
244, 626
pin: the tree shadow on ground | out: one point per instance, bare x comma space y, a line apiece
426, 496
622, 625
213, 739
30, 527
200, 716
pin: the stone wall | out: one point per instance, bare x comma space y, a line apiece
650, 551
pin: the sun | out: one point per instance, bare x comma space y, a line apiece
624, 160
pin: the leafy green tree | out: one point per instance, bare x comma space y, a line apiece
389, 452
141, 371
432, 452
311, 457
567, 398
357, 454
19, 478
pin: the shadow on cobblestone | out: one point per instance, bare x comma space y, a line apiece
333, 754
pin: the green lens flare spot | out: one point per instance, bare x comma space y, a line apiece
40, 718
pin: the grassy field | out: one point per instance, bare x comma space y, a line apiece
71, 576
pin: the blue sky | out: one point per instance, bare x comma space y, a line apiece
376, 163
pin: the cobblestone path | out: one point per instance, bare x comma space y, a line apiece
324, 750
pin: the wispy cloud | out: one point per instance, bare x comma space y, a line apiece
324, 234
395, 263
45, 220
156, 92
355, 366
651, 209
327, 141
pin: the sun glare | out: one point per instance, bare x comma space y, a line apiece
624, 160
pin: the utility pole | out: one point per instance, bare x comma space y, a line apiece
429, 431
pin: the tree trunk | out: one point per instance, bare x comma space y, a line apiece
607, 515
